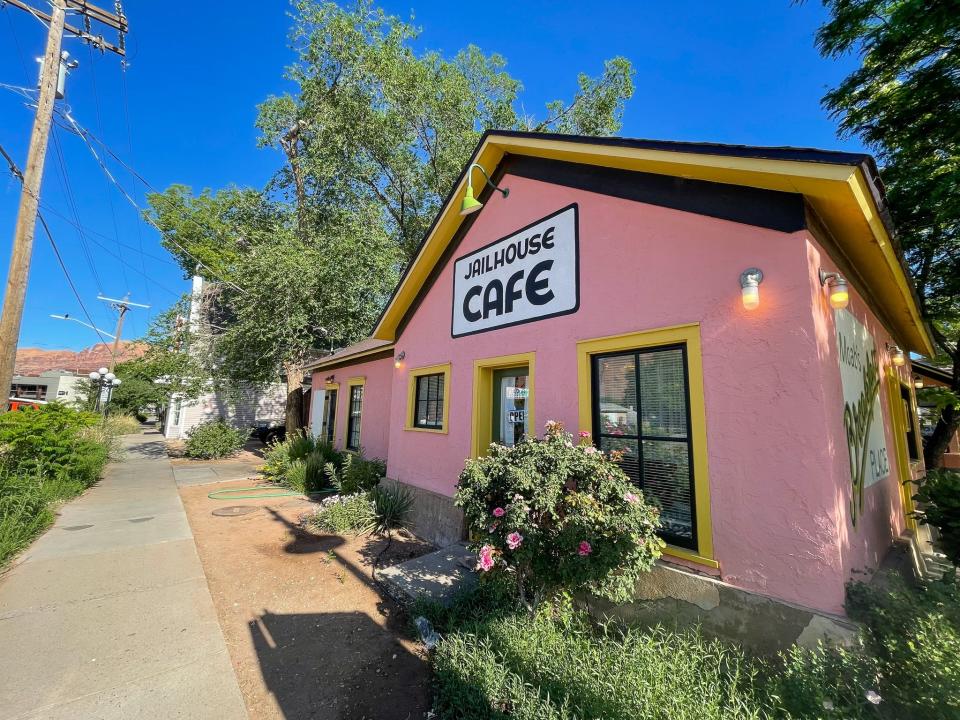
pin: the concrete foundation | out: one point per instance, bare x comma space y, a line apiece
678, 598
434, 517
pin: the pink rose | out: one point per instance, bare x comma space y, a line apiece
485, 558
630, 497
590, 450
513, 540
585, 548
499, 512
584, 434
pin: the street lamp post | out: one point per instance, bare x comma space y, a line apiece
104, 381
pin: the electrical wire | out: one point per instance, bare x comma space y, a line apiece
89, 138
15, 171
72, 204
113, 211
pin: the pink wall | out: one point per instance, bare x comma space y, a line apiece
645, 267
776, 445
374, 429
861, 546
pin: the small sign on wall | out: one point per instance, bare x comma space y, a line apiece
529, 275
862, 417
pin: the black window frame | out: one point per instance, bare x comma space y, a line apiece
910, 423
437, 401
693, 542
354, 417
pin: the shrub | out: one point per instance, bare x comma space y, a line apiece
122, 424
316, 476
940, 493
558, 517
345, 513
295, 476
355, 474
47, 455
545, 667
391, 507
300, 445
215, 439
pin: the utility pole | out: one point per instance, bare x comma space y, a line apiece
122, 307
50, 80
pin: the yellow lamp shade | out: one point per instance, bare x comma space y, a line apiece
470, 204
898, 357
839, 298
750, 296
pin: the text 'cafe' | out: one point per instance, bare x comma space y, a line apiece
736, 320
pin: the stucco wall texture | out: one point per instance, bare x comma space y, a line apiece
777, 460
374, 428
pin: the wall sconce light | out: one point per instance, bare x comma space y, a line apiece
329, 378
398, 359
917, 382
837, 285
750, 280
896, 355
470, 204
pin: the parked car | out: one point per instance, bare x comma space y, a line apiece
269, 432
15, 403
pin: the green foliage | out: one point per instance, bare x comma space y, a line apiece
561, 668
345, 514
122, 424
315, 477
300, 445
52, 440
904, 102
558, 517
276, 461
46, 455
391, 507
355, 473
295, 475
497, 661
377, 123
939, 494
215, 439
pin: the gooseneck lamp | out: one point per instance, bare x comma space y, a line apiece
837, 286
470, 204
750, 280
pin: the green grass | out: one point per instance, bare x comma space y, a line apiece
496, 661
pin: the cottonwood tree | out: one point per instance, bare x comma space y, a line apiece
372, 141
904, 102
374, 122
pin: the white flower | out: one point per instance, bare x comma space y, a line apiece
873, 697
827, 705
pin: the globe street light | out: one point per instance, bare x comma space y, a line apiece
105, 381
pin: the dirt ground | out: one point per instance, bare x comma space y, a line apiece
309, 634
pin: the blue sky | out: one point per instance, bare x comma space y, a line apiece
737, 72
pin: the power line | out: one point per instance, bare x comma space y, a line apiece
87, 136
56, 251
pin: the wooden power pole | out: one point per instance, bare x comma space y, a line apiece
122, 307
50, 81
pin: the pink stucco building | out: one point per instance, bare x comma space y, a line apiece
609, 289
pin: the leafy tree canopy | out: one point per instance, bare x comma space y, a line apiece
904, 102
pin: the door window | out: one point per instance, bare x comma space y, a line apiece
511, 406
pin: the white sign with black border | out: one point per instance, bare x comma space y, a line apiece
531, 274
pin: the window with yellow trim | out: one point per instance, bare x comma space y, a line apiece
428, 399
354, 414
642, 394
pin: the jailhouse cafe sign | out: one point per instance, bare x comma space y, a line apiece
862, 419
529, 275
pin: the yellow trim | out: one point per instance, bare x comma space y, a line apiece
839, 193
483, 370
898, 430
690, 556
353, 382
331, 386
690, 336
412, 394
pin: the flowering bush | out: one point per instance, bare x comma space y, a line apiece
558, 517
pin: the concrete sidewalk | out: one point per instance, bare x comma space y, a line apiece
108, 615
